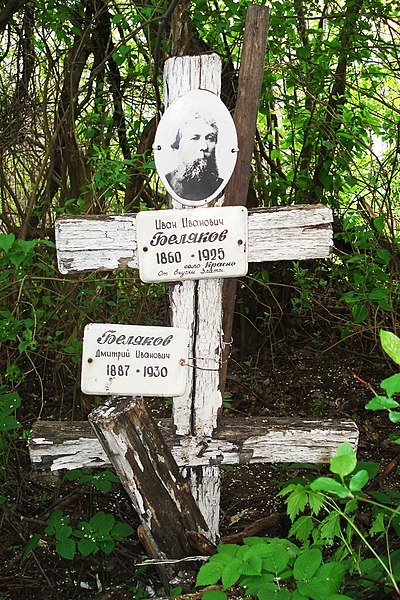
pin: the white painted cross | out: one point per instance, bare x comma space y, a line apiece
199, 439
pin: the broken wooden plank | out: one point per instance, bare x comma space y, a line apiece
104, 243
171, 521
150, 475
70, 445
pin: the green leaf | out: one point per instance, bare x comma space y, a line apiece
381, 403
302, 528
378, 294
8, 404
379, 223
209, 574
330, 526
371, 467
344, 462
121, 530
102, 522
378, 526
297, 501
6, 241
282, 594
371, 568
358, 481
351, 506
316, 502
253, 540
66, 548
254, 583
306, 564
252, 566
30, 546
57, 519
327, 484
326, 581
9, 423
107, 546
231, 573
278, 561
391, 385
230, 549
394, 416
359, 312
175, 591
297, 595
87, 546
391, 345
267, 591
63, 532
214, 595
222, 559
84, 530
262, 550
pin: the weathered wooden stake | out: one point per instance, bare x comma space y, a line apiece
196, 305
172, 523
245, 117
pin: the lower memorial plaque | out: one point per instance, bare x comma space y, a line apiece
134, 360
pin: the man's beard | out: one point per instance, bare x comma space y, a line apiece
197, 169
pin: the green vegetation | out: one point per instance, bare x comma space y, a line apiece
334, 554
99, 533
391, 385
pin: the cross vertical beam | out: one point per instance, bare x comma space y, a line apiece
197, 306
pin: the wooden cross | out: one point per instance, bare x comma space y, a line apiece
200, 440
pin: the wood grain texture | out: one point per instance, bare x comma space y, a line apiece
149, 473
103, 243
251, 75
69, 445
198, 305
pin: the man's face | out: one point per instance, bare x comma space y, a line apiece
197, 142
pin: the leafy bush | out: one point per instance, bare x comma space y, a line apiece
99, 480
269, 568
391, 385
331, 525
367, 271
100, 533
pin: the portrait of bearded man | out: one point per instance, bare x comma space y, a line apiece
196, 177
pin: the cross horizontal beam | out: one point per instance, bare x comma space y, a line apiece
59, 445
103, 243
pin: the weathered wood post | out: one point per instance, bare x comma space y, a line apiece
172, 524
196, 305
245, 117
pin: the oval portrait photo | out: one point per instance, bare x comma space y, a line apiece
195, 148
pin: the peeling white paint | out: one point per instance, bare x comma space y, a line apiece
293, 232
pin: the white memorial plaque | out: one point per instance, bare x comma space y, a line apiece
195, 148
175, 245
134, 360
